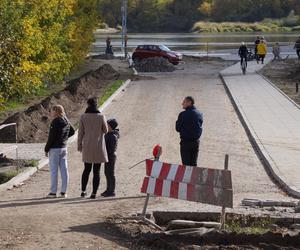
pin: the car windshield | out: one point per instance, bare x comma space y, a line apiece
164, 48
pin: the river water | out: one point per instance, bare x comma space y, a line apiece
196, 44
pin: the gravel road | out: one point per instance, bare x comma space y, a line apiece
147, 112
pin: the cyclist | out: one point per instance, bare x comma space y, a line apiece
243, 53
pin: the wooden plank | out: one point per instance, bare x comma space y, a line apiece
191, 175
191, 192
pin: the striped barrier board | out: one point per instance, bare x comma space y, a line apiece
210, 186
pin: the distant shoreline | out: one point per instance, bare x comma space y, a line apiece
107, 31
220, 27
226, 27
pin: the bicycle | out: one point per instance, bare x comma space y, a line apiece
250, 55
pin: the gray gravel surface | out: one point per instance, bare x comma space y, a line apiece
146, 112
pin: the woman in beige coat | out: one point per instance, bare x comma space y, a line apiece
91, 143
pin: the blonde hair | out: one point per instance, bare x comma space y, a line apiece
59, 110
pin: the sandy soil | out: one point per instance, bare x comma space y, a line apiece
147, 112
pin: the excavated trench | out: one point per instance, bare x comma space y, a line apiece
139, 235
33, 123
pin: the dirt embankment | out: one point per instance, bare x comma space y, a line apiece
285, 74
33, 123
154, 64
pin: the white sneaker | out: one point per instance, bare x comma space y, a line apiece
63, 195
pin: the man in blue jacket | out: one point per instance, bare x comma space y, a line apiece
189, 126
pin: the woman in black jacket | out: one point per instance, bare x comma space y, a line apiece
56, 149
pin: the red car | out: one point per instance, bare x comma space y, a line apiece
147, 51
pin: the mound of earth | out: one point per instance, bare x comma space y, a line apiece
33, 123
154, 64
284, 74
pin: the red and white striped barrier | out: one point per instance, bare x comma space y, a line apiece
210, 186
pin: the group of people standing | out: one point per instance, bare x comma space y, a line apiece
260, 49
97, 141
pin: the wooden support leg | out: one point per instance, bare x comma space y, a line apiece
223, 213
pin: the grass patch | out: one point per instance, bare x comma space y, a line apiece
31, 163
108, 92
8, 175
5, 177
249, 225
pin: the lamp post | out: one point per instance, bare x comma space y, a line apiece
124, 27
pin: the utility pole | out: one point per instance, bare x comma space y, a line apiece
124, 27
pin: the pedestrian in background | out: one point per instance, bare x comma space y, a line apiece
276, 51
264, 40
189, 126
56, 150
297, 47
111, 140
91, 142
261, 51
256, 43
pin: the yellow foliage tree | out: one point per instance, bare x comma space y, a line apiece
52, 37
206, 8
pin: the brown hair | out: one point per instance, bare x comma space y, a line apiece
59, 110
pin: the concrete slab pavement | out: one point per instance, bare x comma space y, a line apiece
272, 122
26, 151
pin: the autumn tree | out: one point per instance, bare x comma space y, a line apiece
206, 8
41, 41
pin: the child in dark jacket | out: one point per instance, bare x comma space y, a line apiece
111, 140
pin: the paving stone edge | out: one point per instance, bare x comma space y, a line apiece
258, 147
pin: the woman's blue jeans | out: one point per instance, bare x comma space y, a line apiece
58, 160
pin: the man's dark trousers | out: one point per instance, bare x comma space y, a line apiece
189, 152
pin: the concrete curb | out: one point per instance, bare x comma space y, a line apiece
17, 180
259, 149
